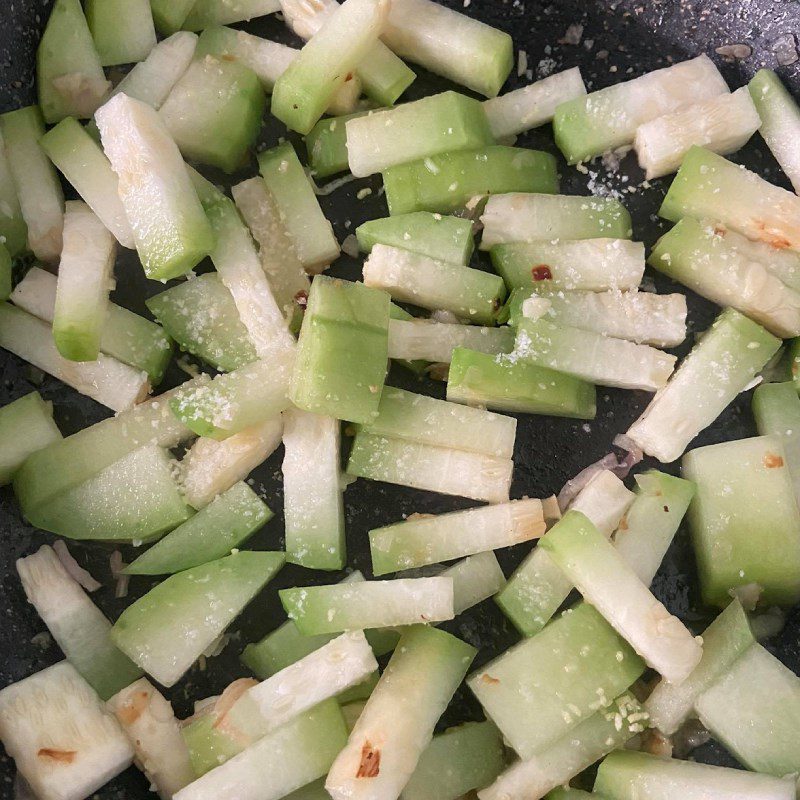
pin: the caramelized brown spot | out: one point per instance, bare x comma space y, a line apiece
134, 707
623, 524
349, 77
777, 240
487, 678
370, 764
60, 756
227, 57
720, 230
301, 298
666, 509
771, 460
541, 272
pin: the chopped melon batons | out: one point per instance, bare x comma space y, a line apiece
38, 190
723, 124
724, 641
303, 92
207, 13
85, 278
593, 357
475, 579
604, 501
369, 604
26, 425
435, 469
211, 467
428, 340
519, 111
719, 366
642, 317
287, 759
171, 230
106, 380
437, 37
64, 742
313, 505
326, 144
439, 123
607, 582
84, 165
69, 74
123, 30
780, 121
78, 626
397, 723
776, 408
595, 265
521, 217
609, 118
592, 739
13, 230
147, 718
429, 540
626, 775
169, 628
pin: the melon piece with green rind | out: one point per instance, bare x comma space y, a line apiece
169, 628
169, 15
123, 30
26, 425
776, 408
326, 144
13, 230
424, 340
208, 13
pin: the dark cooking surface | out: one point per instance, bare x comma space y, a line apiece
619, 39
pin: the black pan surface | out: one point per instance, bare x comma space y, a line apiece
619, 39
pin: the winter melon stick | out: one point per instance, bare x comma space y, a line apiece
26, 425
626, 775
720, 365
418, 542
641, 317
69, 74
776, 408
382, 74
108, 381
207, 13
469, 756
425, 282
780, 121
236, 400
126, 336
135, 499
64, 741
699, 256
147, 718
449, 181
438, 236
434, 469
533, 105
123, 30
752, 708
305, 89
744, 520
475, 579
201, 316
83, 163
544, 687
436, 37
169, 15
723, 124
441, 123
169, 225
593, 265
38, 190
753, 207
78, 626
418, 418
13, 230
298, 208
397, 723
428, 340
592, 357
342, 350
214, 112
505, 383
168, 629
223, 525
66, 464
326, 145
284, 760
368, 604
607, 729
520, 217
313, 505
724, 642
604, 120
85, 278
